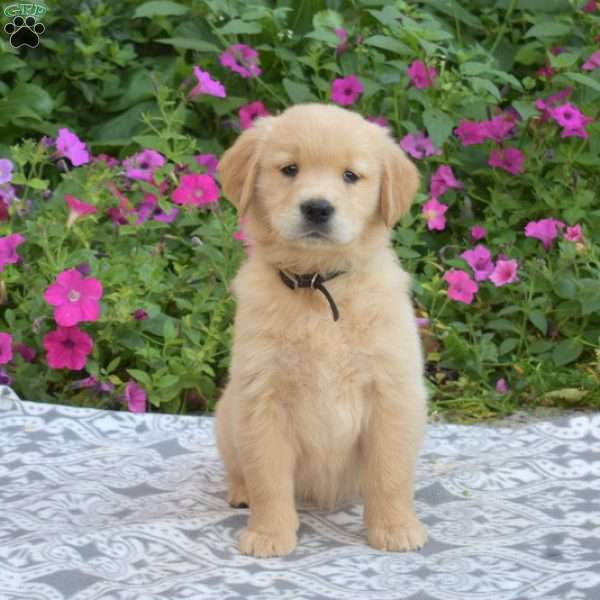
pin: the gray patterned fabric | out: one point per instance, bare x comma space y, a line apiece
114, 505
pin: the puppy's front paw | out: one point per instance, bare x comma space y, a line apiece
398, 538
264, 545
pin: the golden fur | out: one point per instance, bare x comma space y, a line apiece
320, 410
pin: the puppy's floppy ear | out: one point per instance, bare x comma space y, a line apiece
238, 166
399, 183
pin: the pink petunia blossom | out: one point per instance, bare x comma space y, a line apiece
136, 397
27, 353
471, 132
418, 145
421, 75
501, 386
574, 234
545, 105
70, 146
68, 348
241, 59
478, 232
591, 6
460, 286
74, 298
593, 62
346, 90
77, 209
545, 230
509, 159
196, 190
480, 260
206, 85
498, 128
381, 121
150, 209
208, 161
547, 72
571, 119
6, 352
143, 164
6, 168
443, 180
250, 112
8, 249
434, 214
242, 236
506, 271
139, 314
109, 161
342, 35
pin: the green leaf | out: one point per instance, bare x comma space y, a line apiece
565, 288
525, 109
113, 364
540, 346
189, 44
169, 332
160, 8
479, 84
508, 345
168, 381
566, 352
589, 295
237, 27
140, 376
388, 43
32, 97
322, 35
298, 92
438, 124
584, 80
549, 29
538, 318
501, 325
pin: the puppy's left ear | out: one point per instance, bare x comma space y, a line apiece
399, 183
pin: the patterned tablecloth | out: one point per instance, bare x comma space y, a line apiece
114, 505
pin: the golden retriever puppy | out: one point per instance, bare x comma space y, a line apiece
326, 397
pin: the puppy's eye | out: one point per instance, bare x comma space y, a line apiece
290, 170
350, 176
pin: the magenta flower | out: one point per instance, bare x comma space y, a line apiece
381, 121
418, 145
591, 6
241, 59
252, 111
443, 180
347, 90
471, 132
593, 62
421, 75
70, 146
501, 386
93, 385
574, 234
545, 230
342, 35
480, 260
208, 161
6, 352
460, 286
434, 214
197, 190
6, 168
77, 209
149, 208
506, 271
75, 299
242, 235
498, 128
546, 71
8, 249
478, 232
206, 85
509, 159
28, 354
545, 106
571, 119
139, 314
109, 161
5, 378
136, 397
143, 164
68, 348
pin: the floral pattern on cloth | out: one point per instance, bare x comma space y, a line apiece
117, 505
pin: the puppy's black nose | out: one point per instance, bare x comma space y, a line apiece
317, 210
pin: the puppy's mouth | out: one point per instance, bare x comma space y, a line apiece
315, 235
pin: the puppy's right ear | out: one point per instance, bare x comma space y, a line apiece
238, 166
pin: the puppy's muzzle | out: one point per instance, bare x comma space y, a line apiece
317, 211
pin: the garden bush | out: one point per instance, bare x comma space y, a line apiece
116, 248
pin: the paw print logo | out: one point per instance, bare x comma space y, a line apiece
24, 32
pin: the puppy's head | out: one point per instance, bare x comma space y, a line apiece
317, 176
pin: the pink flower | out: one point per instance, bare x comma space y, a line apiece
140, 314
6, 168
381, 121
422, 323
434, 213
506, 271
347, 90
109, 161
480, 260
418, 145
460, 286
593, 62
69, 145
509, 159
136, 397
478, 232
501, 386
591, 6
241, 59
149, 208
546, 71
77, 209
208, 161
571, 119
471, 132
207, 85
574, 234
242, 235
28, 354
544, 106
252, 111
8, 249
498, 128
197, 190
545, 230
143, 164
68, 348
6, 352
342, 35
443, 180
421, 75
75, 299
